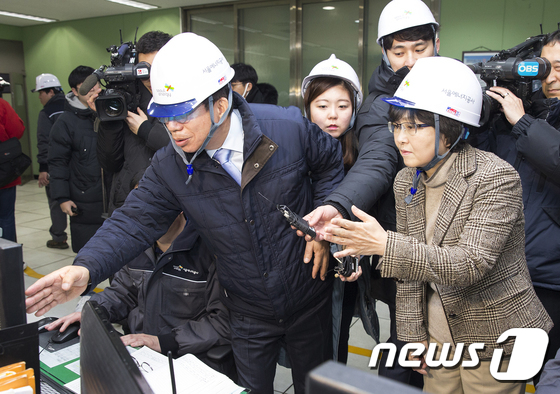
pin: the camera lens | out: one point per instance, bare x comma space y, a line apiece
114, 107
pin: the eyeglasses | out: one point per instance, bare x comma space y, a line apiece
144, 366
409, 128
184, 118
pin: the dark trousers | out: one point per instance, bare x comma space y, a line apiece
59, 220
396, 372
306, 335
348, 306
7, 213
551, 302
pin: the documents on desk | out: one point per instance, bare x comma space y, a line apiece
191, 374
52, 359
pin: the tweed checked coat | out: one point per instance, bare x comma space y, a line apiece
476, 258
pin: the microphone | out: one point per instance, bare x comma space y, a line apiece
88, 84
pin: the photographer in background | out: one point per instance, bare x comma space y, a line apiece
52, 98
126, 147
75, 175
531, 142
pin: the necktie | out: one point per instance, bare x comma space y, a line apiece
223, 156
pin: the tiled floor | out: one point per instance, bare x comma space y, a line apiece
32, 226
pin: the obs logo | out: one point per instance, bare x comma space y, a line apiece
528, 69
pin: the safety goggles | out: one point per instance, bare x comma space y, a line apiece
184, 118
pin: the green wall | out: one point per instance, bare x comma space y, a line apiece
58, 48
494, 24
11, 32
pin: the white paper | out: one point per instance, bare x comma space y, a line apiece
74, 386
60, 356
191, 376
74, 367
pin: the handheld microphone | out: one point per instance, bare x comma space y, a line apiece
91, 81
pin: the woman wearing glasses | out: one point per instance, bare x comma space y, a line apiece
458, 253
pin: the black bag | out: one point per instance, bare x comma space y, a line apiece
13, 162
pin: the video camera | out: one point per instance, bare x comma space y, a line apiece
121, 92
514, 69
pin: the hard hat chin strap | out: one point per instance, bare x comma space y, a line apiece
213, 129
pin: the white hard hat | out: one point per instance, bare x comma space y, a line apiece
45, 81
443, 86
403, 14
335, 68
186, 71
4, 82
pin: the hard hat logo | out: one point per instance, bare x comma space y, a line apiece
453, 111
169, 87
406, 83
334, 67
222, 80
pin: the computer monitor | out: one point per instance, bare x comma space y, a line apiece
105, 364
335, 378
12, 287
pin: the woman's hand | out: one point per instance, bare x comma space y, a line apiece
423, 366
364, 238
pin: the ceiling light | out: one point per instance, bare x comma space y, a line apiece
328, 8
136, 4
22, 16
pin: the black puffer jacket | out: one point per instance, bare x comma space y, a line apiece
74, 171
124, 154
532, 146
48, 115
368, 185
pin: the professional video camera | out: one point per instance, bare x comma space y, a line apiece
514, 69
122, 92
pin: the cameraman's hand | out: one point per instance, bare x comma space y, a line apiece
91, 101
511, 104
43, 179
134, 121
67, 206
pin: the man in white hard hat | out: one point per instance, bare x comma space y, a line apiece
52, 98
227, 168
407, 31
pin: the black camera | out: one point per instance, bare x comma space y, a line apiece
122, 92
514, 69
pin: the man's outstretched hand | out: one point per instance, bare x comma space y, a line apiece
319, 219
56, 288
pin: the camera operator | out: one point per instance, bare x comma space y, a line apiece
530, 142
126, 147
